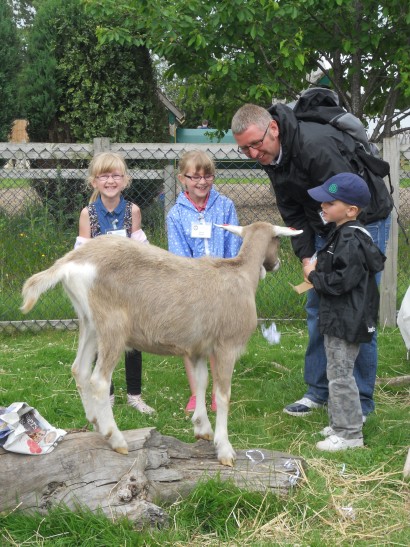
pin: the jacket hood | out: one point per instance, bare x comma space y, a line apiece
288, 127
183, 200
374, 257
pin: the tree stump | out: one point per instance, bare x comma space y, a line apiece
84, 470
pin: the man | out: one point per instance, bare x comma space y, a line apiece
297, 156
204, 125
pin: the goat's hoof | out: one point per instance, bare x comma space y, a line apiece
205, 436
121, 450
227, 461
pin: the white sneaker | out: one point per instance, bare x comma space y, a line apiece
333, 443
112, 400
136, 402
327, 431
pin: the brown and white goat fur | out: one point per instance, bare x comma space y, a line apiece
130, 295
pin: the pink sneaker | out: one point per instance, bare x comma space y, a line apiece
190, 407
213, 403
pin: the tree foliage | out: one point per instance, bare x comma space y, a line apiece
10, 55
253, 50
76, 89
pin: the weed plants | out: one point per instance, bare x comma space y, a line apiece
358, 497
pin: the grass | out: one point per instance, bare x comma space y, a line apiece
350, 498
14, 183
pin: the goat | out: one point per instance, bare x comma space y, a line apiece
130, 295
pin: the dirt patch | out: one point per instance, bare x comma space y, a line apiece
252, 202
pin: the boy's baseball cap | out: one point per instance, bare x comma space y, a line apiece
346, 187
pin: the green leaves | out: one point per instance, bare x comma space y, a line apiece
89, 87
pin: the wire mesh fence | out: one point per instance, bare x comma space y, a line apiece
43, 189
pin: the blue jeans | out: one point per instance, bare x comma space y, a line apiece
315, 358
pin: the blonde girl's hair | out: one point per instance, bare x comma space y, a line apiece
106, 162
196, 160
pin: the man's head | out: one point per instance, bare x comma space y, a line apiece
256, 133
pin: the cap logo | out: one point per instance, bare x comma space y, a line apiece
332, 188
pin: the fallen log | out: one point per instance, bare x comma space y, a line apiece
84, 470
395, 381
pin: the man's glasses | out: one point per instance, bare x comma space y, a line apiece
197, 178
104, 178
256, 145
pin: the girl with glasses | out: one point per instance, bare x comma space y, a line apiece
109, 213
192, 232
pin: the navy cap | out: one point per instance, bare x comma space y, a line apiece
346, 187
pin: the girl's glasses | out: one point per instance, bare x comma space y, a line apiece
197, 178
104, 178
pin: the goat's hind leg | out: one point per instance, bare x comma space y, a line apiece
108, 357
202, 425
82, 367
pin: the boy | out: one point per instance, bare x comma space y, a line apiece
344, 277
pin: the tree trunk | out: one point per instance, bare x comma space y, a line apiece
84, 470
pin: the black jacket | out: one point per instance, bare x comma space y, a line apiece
345, 281
312, 153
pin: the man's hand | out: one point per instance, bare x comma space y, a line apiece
308, 264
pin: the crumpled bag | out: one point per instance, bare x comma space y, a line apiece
403, 320
25, 431
270, 333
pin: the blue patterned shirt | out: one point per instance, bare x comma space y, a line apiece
219, 210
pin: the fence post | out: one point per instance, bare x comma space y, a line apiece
169, 187
388, 288
101, 144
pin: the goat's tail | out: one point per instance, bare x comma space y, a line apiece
39, 283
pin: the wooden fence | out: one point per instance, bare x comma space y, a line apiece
18, 162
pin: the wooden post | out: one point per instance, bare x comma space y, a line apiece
102, 144
388, 287
169, 187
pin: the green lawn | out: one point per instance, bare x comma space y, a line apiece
350, 498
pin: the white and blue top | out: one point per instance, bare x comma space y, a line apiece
218, 210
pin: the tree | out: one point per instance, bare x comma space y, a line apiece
253, 50
76, 89
10, 55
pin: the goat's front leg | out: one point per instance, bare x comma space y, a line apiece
223, 369
202, 425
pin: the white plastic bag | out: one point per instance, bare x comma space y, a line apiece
403, 320
270, 333
25, 431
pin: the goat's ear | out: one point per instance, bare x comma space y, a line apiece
283, 231
237, 230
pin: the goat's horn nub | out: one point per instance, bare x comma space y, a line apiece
238, 230
284, 231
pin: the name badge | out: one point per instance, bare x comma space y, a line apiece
122, 233
201, 230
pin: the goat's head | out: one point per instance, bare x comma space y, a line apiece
271, 261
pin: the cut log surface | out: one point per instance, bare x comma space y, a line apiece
84, 470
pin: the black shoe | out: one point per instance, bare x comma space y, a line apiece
303, 407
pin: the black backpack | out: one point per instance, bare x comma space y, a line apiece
321, 105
